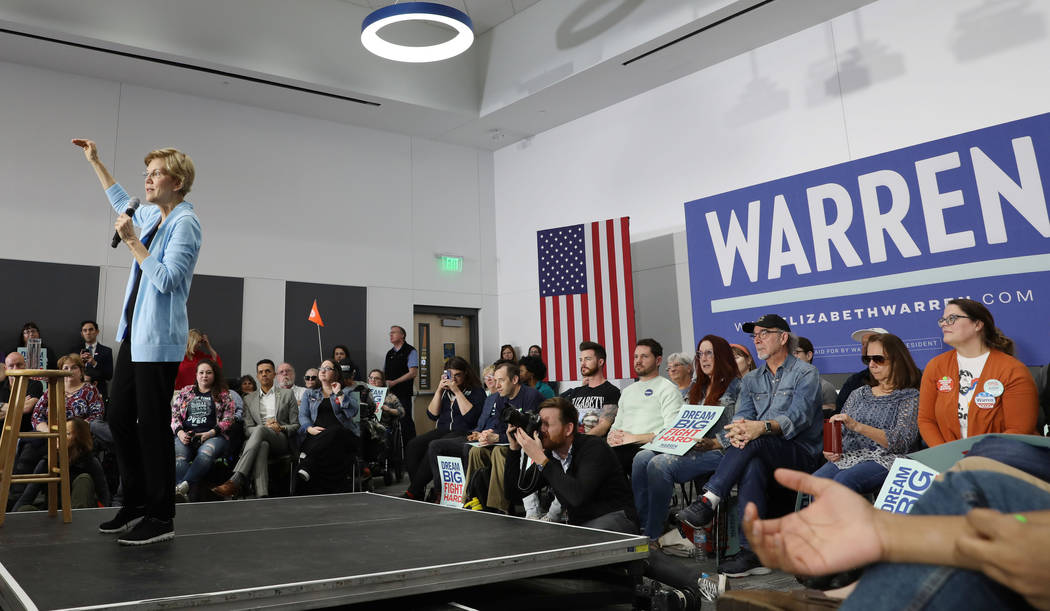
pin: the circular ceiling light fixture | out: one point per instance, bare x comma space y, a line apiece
417, 11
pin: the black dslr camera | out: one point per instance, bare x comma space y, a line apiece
530, 423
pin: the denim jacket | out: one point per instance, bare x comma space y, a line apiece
791, 397
345, 406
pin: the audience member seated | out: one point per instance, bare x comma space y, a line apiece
341, 357
585, 476
271, 420
862, 377
880, 422
198, 348
456, 408
246, 385
201, 416
778, 422
744, 361
653, 474
34, 391
977, 539
286, 380
392, 410
491, 430
828, 396
87, 481
680, 372
311, 379
531, 371
507, 353
977, 387
82, 401
329, 431
646, 406
596, 400
489, 380
98, 359
30, 330
535, 350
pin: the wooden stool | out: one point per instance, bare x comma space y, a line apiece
57, 450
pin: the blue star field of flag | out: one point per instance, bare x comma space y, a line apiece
563, 261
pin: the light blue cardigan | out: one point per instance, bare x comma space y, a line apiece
159, 325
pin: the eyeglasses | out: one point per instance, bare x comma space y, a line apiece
950, 319
764, 333
326, 368
880, 359
798, 352
155, 174
700, 354
308, 378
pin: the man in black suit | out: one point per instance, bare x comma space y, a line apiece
98, 359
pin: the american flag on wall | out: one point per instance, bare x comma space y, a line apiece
586, 294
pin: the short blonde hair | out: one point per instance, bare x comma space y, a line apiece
74, 360
177, 164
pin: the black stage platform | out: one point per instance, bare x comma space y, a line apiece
293, 553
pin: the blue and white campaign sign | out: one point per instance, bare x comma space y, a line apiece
693, 422
907, 481
378, 395
884, 241
452, 481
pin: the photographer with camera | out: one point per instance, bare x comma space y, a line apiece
587, 479
512, 400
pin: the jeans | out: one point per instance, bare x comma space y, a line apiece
653, 476
861, 478
192, 463
1031, 459
751, 469
919, 586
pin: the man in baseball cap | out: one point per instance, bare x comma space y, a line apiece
778, 423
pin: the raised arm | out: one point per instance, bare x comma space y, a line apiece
91, 154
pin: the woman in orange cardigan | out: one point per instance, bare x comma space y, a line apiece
978, 387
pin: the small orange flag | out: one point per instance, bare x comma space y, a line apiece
315, 316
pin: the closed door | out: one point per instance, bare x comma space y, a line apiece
437, 338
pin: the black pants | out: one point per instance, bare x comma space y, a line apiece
139, 416
625, 455
658, 567
419, 471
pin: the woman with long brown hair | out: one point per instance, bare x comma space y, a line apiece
653, 475
201, 416
878, 420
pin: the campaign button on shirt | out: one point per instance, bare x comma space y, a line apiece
648, 392
994, 387
944, 384
984, 400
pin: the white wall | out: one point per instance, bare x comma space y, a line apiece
279, 196
891, 74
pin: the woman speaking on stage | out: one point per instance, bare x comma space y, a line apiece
152, 334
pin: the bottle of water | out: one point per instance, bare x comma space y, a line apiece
699, 539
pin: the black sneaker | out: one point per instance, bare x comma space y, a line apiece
149, 530
123, 521
697, 515
743, 564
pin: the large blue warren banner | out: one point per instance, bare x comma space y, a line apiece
883, 242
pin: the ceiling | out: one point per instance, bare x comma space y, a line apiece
535, 64
485, 14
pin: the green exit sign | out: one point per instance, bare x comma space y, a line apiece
450, 264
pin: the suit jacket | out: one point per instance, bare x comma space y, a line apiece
287, 411
102, 372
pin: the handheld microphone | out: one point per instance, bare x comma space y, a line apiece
130, 211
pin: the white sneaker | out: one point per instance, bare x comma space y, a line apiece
712, 586
533, 516
304, 475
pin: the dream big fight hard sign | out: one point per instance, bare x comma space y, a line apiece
883, 242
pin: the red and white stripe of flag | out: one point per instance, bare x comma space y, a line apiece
604, 315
